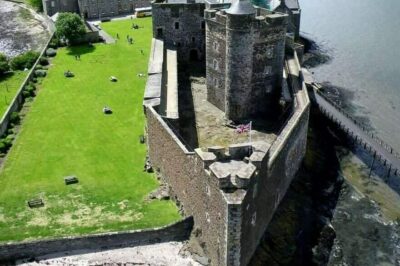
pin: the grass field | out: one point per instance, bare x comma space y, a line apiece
9, 85
66, 133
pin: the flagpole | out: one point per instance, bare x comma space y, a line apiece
251, 125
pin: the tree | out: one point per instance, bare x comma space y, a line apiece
70, 26
4, 67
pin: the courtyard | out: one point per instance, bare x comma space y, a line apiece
66, 133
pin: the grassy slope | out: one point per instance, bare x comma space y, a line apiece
66, 133
9, 86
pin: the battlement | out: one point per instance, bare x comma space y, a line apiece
235, 166
261, 16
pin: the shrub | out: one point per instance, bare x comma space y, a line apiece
39, 67
5, 144
25, 60
43, 61
54, 43
4, 66
40, 73
29, 90
3, 148
11, 131
14, 118
51, 52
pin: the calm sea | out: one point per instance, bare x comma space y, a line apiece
363, 38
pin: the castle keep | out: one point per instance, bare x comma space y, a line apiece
245, 52
214, 66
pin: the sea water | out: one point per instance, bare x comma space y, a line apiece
363, 39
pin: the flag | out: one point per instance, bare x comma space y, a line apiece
243, 128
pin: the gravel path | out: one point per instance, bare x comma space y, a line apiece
156, 254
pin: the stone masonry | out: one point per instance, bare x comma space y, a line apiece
50, 7
231, 191
94, 9
245, 62
181, 25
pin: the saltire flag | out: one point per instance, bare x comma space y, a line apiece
243, 128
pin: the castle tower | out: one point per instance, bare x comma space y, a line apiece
245, 50
239, 59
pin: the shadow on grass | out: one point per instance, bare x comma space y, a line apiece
6, 76
80, 49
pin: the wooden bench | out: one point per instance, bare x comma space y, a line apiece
69, 180
35, 203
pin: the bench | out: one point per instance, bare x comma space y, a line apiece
69, 180
35, 203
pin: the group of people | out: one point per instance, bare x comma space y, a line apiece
78, 57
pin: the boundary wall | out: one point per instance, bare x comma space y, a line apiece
178, 231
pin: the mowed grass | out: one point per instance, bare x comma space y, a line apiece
9, 85
66, 133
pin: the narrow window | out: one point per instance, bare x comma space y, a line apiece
215, 46
193, 39
159, 33
215, 64
177, 25
203, 25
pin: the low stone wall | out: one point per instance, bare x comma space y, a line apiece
18, 100
175, 232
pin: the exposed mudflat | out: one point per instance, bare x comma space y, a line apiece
21, 29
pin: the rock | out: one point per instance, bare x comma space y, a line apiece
51, 52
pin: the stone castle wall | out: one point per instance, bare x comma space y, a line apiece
190, 184
181, 26
90, 9
216, 60
270, 186
100, 9
50, 7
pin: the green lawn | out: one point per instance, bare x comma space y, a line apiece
9, 85
65, 133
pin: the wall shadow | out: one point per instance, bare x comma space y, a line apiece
294, 234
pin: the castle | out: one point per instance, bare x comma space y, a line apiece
94, 9
215, 66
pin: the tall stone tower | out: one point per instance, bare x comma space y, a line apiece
245, 55
239, 59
